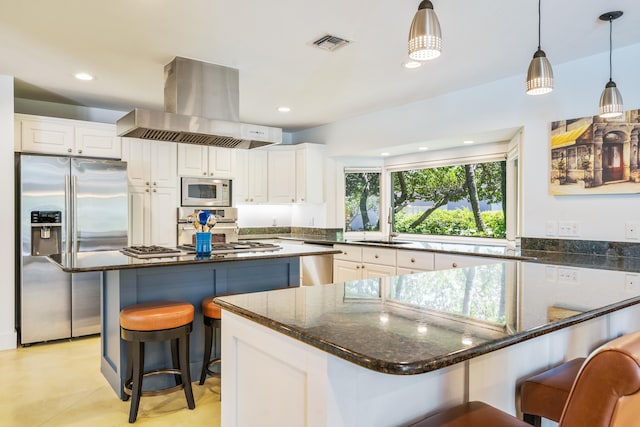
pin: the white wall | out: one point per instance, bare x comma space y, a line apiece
503, 104
7, 284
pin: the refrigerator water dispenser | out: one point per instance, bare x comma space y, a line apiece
46, 233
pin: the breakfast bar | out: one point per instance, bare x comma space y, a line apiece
129, 280
386, 352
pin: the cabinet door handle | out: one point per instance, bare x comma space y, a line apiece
204, 173
375, 256
146, 183
357, 267
147, 190
413, 260
344, 253
69, 150
154, 190
454, 265
293, 200
80, 151
211, 174
251, 200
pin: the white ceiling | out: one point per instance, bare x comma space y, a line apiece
126, 43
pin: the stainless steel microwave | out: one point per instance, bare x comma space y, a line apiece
205, 192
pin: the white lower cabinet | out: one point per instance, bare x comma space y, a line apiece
409, 262
344, 271
355, 263
446, 261
152, 216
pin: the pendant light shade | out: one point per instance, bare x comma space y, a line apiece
610, 101
425, 37
540, 74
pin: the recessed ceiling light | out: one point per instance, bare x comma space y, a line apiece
284, 109
468, 142
411, 64
423, 148
83, 76
384, 154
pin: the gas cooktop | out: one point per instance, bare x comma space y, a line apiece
150, 251
235, 247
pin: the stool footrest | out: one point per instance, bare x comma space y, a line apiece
128, 385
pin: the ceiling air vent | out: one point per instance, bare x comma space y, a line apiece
329, 42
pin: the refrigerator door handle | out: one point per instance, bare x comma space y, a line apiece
67, 209
74, 215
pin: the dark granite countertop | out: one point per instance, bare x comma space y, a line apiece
417, 323
116, 260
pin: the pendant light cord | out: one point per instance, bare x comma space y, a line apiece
610, 47
539, 18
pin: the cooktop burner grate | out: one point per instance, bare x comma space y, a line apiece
152, 251
247, 246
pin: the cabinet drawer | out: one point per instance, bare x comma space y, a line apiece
446, 261
415, 260
349, 253
379, 256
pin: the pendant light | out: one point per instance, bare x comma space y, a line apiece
610, 100
540, 74
425, 37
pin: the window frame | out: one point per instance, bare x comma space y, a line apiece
492, 152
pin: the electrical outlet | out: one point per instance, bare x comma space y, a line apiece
631, 230
551, 228
568, 229
631, 282
568, 275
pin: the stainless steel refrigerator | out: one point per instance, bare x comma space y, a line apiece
88, 197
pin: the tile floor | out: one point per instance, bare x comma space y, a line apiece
60, 384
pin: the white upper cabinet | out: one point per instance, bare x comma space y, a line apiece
282, 176
310, 173
48, 135
250, 178
196, 160
151, 163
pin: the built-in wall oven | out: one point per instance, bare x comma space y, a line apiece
205, 192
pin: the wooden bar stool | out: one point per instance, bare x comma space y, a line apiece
156, 321
605, 393
544, 394
212, 320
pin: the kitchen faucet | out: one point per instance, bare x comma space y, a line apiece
392, 234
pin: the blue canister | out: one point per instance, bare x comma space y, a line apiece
203, 242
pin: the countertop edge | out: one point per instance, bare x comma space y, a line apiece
427, 365
173, 262
399, 246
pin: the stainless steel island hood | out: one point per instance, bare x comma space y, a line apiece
201, 106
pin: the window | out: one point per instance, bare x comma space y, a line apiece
457, 200
362, 200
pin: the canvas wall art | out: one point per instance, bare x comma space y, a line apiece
593, 155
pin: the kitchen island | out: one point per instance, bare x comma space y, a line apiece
128, 280
386, 352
